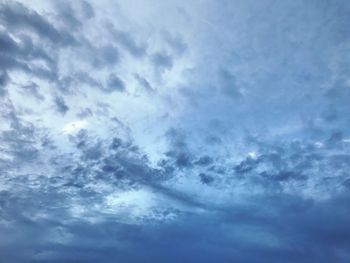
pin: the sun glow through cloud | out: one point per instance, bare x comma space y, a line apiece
73, 127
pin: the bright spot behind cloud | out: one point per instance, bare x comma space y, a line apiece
73, 127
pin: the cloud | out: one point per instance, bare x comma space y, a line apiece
176, 43
217, 131
17, 17
60, 104
108, 56
204, 160
22, 56
179, 154
127, 41
67, 14
115, 83
4, 78
33, 89
162, 60
144, 83
88, 10
206, 179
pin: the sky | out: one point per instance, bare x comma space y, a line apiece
174, 131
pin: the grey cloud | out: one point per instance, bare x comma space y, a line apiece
204, 161
19, 141
178, 152
205, 178
128, 42
246, 165
284, 176
282, 226
116, 143
114, 83
22, 55
144, 83
61, 105
119, 162
258, 226
67, 14
17, 17
85, 113
86, 78
33, 89
182, 159
69, 84
107, 55
88, 10
175, 42
4, 79
218, 169
297, 161
162, 61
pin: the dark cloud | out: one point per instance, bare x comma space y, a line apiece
205, 178
114, 83
162, 61
4, 79
181, 158
119, 162
19, 55
179, 153
61, 105
246, 165
85, 113
116, 143
107, 56
127, 41
88, 10
144, 83
23, 54
83, 77
18, 142
284, 176
16, 16
70, 84
33, 89
67, 15
204, 161
176, 43
247, 234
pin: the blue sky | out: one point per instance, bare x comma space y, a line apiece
174, 131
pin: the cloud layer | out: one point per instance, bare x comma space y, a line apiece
155, 131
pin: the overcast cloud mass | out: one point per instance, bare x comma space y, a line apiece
175, 131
